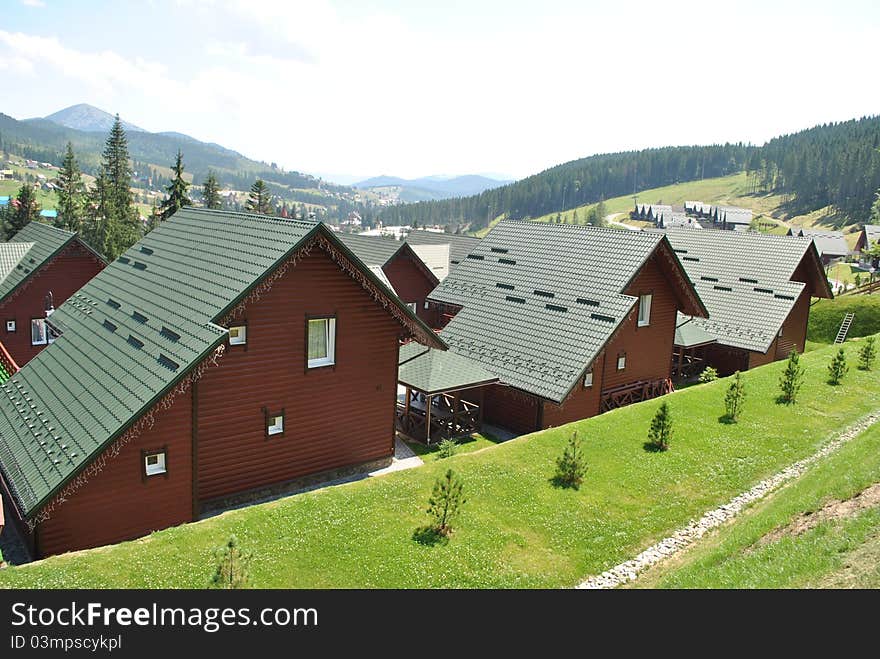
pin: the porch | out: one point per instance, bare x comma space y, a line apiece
441, 394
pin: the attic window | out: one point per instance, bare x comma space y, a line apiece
705, 278
690, 258
110, 326
748, 280
589, 303
499, 250
476, 257
136, 342
169, 334
168, 363
507, 261
141, 318
602, 317
140, 266
506, 287
763, 290
146, 250
545, 294
723, 288
556, 307
518, 300
783, 297
113, 303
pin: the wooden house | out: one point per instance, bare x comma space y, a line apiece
868, 238
223, 358
40, 267
459, 245
556, 323
757, 289
831, 244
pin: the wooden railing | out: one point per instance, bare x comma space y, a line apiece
864, 289
8, 367
634, 392
448, 418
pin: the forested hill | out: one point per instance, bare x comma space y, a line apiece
579, 182
833, 164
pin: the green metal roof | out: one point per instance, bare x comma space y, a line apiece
132, 333
434, 371
744, 279
372, 250
459, 246
832, 243
688, 334
540, 301
36, 243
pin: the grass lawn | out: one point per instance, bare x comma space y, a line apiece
475, 442
826, 316
517, 530
842, 552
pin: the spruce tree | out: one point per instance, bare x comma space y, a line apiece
211, 192
735, 398
232, 570
445, 503
177, 191
838, 368
661, 428
258, 199
571, 466
867, 354
22, 211
123, 224
99, 214
71, 194
792, 378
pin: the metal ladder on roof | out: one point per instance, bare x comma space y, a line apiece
844, 328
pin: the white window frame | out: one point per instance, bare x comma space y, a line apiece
645, 309
45, 340
277, 425
414, 306
621, 361
241, 339
427, 305
159, 467
10, 325
588, 379
330, 341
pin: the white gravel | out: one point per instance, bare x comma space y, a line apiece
629, 570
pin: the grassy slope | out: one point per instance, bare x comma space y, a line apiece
517, 530
836, 553
826, 316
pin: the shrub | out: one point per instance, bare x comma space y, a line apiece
838, 368
661, 428
232, 566
446, 449
571, 466
867, 354
445, 503
792, 378
735, 397
709, 374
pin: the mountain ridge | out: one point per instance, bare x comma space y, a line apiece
87, 118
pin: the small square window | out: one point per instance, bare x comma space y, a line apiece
154, 463
39, 333
238, 335
275, 424
621, 361
321, 342
10, 325
588, 379
413, 306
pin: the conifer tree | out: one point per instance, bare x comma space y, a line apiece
211, 192
735, 398
23, 210
232, 570
571, 466
445, 503
122, 221
99, 213
177, 191
71, 194
258, 199
838, 368
661, 428
792, 378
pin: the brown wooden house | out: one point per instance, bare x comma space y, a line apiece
222, 358
40, 267
757, 288
571, 320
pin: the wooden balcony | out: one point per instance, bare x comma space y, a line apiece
635, 392
8, 367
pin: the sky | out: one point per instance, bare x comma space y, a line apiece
409, 88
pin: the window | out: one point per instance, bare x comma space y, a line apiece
427, 305
39, 335
413, 306
238, 335
275, 424
10, 325
588, 379
321, 342
621, 361
645, 310
154, 463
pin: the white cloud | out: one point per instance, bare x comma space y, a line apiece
33, 3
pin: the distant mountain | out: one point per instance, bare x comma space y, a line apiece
432, 187
89, 119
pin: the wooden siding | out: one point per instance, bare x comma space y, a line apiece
119, 503
510, 408
411, 283
582, 403
64, 275
727, 360
333, 416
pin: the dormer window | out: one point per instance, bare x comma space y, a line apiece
238, 335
